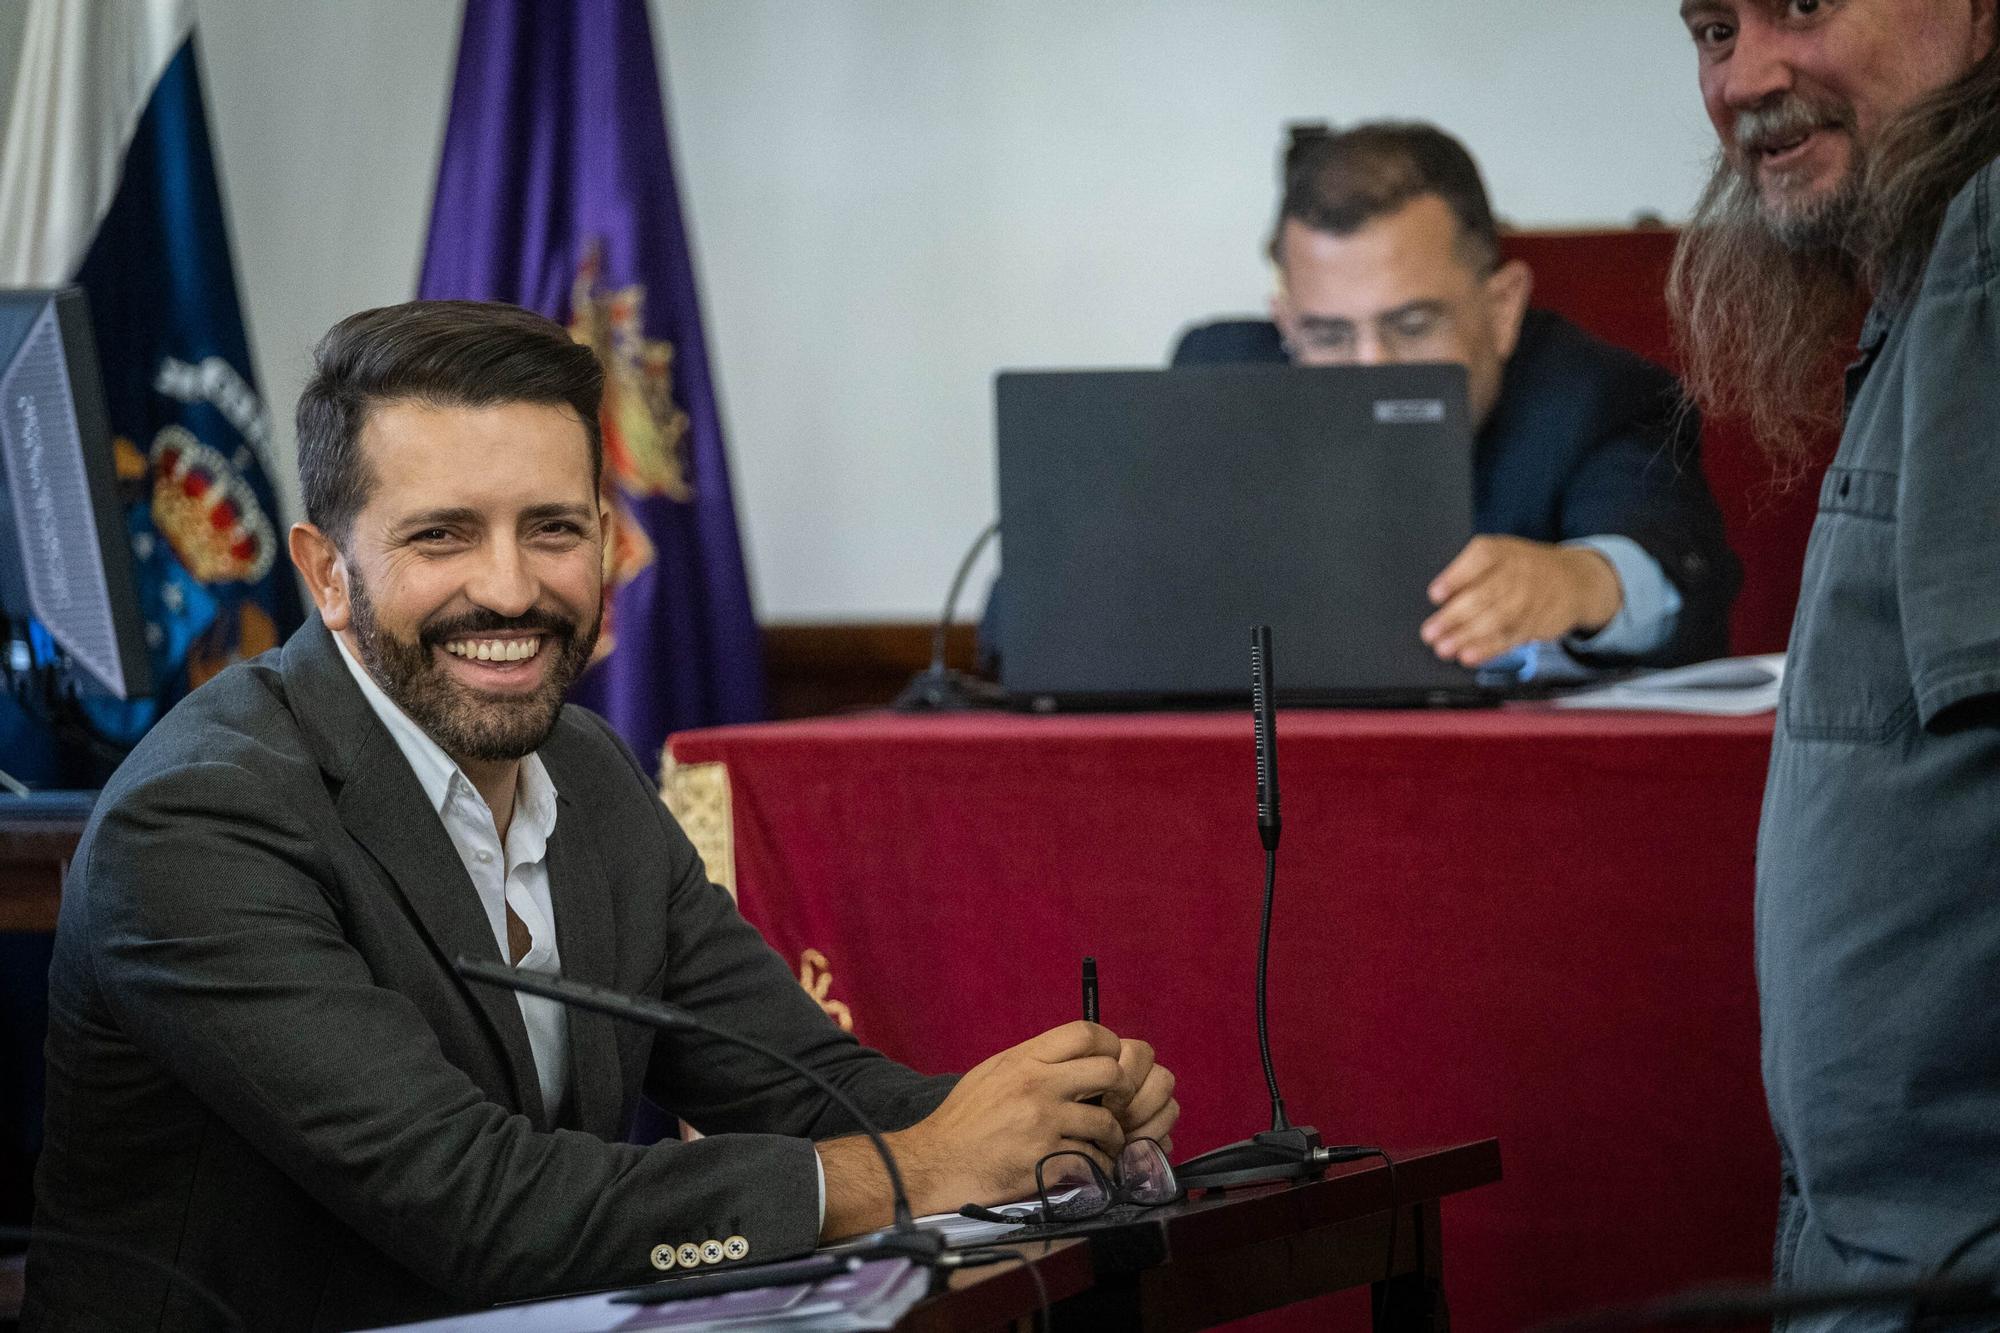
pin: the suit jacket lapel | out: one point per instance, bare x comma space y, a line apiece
383, 806
581, 897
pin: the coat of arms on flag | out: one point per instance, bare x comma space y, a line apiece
109, 183
556, 192
645, 431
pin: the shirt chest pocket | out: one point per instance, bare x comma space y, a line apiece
1847, 677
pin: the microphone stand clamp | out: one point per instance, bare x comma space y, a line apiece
1292, 1153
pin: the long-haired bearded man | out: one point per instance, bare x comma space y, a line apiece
1857, 186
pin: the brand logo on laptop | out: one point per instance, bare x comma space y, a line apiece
1408, 411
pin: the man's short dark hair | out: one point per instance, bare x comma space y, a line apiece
1339, 181
440, 353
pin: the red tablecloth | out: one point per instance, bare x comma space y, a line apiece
1520, 922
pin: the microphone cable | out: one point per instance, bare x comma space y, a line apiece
903, 1237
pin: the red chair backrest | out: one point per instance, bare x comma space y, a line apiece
1614, 284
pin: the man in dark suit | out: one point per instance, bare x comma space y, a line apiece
1601, 532
264, 1071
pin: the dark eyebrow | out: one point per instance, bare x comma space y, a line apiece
1325, 322
576, 513
1425, 307
437, 518
1690, 9
461, 516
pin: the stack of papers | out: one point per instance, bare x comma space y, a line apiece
959, 1230
1726, 687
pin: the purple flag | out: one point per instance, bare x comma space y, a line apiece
557, 193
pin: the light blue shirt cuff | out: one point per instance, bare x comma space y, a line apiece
820, 1166
1650, 608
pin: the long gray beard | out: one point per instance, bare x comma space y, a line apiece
1763, 307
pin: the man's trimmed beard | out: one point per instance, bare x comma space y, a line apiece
1766, 300
465, 723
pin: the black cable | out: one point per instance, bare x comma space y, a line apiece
47, 696
1395, 1204
903, 1231
126, 1254
984, 1258
986, 534
1354, 1152
1278, 1120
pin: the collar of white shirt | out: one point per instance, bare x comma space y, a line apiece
438, 773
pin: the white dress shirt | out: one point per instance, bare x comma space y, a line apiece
515, 875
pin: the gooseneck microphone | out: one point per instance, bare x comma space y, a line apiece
937, 688
1285, 1151
904, 1238
1264, 718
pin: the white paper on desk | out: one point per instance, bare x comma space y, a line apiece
1725, 687
959, 1230
874, 1296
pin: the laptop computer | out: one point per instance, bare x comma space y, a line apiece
1150, 517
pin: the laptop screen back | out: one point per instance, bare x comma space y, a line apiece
1149, 517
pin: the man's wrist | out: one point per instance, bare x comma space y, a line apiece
858, 1195
1599, 594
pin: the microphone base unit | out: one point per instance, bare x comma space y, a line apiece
925, 1247
941, 690
1272, 1157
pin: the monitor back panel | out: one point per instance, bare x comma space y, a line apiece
1149, 518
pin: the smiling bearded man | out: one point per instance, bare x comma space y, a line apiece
1840, 152
263, 1069
1858, 168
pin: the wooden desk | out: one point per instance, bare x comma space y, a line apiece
34, 857
1190, 1265
1220, 1257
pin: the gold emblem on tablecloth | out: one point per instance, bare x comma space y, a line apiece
817, 977
697, 796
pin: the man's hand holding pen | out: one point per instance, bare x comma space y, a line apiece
1006, 1115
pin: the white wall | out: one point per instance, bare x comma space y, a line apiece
892, 198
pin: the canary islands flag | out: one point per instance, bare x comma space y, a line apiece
107, 181
556, 192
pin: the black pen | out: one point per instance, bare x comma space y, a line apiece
1090, 1007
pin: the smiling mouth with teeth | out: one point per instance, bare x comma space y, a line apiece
494, 650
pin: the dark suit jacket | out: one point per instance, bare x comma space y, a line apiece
263, 1070
1585, 440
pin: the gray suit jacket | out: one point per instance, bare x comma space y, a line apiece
263, 1070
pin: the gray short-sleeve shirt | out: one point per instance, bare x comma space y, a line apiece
1878, 887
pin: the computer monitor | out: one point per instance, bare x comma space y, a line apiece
65, 558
